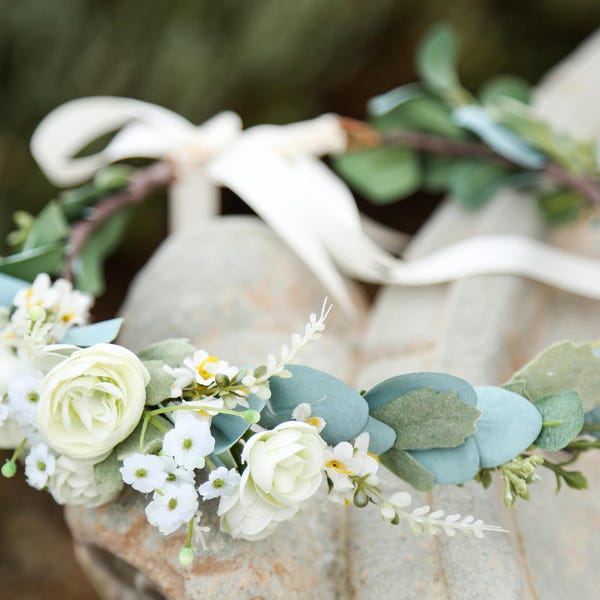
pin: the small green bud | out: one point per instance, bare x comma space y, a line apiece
360, 498
251, 416
186, 557
222, 380
37, 313
9, 469
113, 177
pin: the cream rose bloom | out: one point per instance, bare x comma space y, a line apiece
73, 482
92, 400
285, 468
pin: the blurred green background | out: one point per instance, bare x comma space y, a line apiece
269, 60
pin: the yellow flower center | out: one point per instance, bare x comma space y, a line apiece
314, 421
67, 317
201, 368
338, 466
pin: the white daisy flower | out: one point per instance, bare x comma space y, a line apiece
172, 507
23, 402
303, 412
144, 472
183, 378
205, 367
40, 464
221, 482
189, 442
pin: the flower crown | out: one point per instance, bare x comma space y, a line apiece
183, 427
87, 417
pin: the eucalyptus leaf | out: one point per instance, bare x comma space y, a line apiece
450, 466
563, 367
509, 424
9, 287
437, 59
505, 142
424, 418
505, 86
50, 226
344, 410
402, 464
108, 477
473, 183
388, 101
89, 276
381, 436
29, 263
562, 416
421, 112
152, 439
171, 351
383, 175
228, 429
97, 333
159, 386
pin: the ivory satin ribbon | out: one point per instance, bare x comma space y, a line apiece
276, 170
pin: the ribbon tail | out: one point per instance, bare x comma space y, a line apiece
267, 183
502, 255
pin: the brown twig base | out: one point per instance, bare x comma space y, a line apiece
145, 181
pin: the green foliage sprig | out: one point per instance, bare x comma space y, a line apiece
437, 136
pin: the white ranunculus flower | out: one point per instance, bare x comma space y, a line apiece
285, 468
73, 482
246, 515
92, 400
286, 463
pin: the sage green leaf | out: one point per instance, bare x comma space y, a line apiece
505, 86
402, 464
383, 175
562, 420
29, 263
450, 466
171, 351
561, 206
50, 226
436, 63
473, 183
108, 477
397, 386
564, 367
593, 418
424, 418
153, 438
89, 275
159, 387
